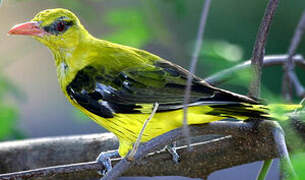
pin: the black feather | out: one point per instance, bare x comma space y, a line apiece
106, 94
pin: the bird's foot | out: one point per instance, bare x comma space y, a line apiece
104, 159
171, 148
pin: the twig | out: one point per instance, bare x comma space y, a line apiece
271, 60
258, 52
51, 171
264, 170
296, 40
137, 143
290, 78
279, 138
259, 48
299, 88
289, 75
203, 19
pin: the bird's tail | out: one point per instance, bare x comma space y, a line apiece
244, 111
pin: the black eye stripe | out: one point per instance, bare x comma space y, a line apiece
52, 28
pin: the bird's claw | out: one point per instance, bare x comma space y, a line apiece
171, 148
104, 159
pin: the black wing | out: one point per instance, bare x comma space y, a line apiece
136, 90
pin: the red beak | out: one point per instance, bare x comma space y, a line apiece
28, 28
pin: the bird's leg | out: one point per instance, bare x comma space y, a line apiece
171, 148
104, 159
136, 145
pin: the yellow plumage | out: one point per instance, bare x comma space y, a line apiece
117, 86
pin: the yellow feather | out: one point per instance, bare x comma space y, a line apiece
76, 49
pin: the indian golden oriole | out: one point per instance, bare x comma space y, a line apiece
117, 86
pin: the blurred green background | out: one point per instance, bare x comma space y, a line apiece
32, 104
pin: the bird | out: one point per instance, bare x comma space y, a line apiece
118, 86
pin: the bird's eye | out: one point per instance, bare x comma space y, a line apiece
60, 26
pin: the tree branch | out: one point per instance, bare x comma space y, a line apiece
259, 48
299, 88
245, 146
271, 60
281, 146
290, 77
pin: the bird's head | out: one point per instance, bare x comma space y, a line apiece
56, 28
